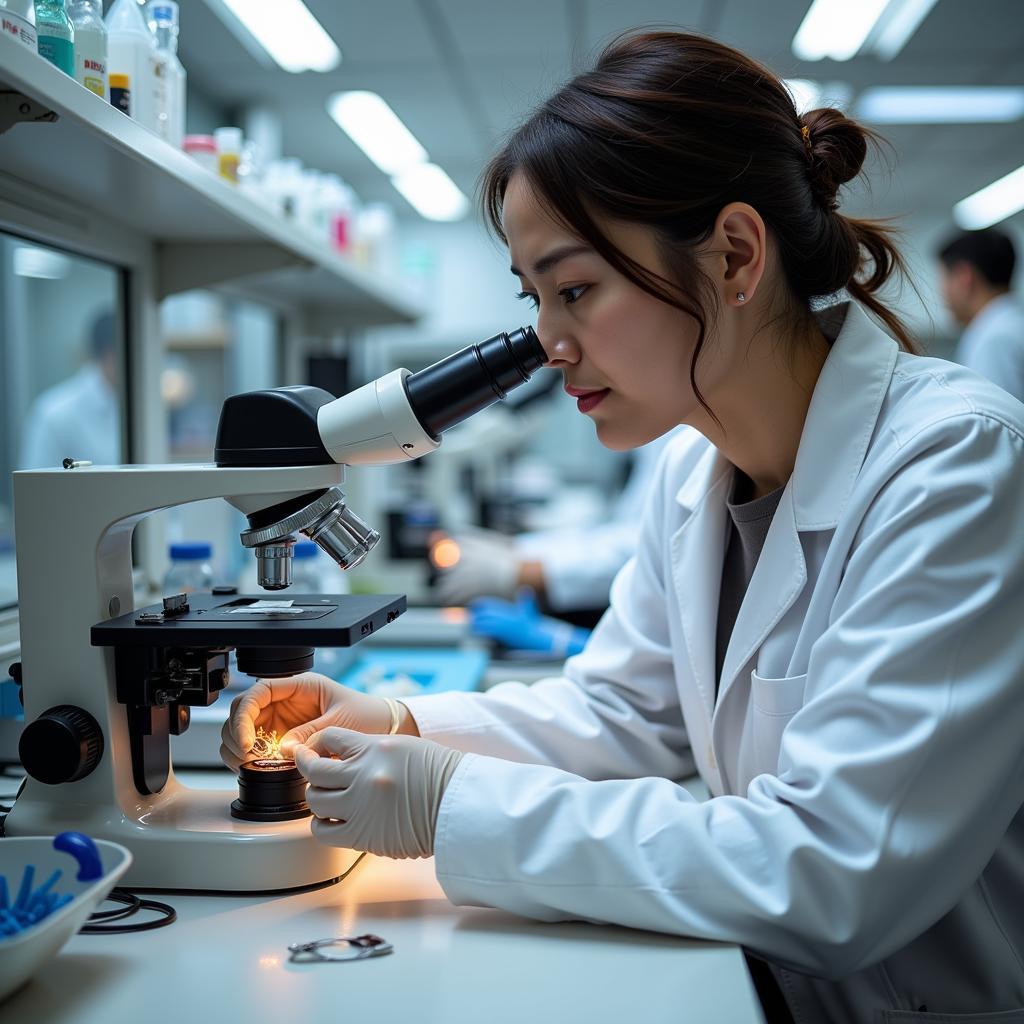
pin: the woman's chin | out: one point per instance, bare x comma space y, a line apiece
617, 437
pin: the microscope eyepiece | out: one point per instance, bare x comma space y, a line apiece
473, 378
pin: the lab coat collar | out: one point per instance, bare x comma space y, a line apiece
845, 406
842, 416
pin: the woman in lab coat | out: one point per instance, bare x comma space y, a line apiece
824, 613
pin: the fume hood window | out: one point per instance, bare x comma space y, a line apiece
61, 371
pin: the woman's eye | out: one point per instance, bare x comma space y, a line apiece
573, 294
532, 298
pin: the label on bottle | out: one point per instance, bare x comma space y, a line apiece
227, 165
22, 31
59, 52
120, 93
91, 62
159, 123
15, 27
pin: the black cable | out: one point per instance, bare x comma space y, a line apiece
133, 905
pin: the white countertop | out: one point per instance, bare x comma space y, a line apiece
225, 959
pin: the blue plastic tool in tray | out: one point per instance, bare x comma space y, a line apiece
435, 670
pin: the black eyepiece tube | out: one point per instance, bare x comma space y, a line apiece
477, 376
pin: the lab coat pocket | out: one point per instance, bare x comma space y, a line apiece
774, 703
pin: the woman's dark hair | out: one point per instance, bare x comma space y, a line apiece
666, 130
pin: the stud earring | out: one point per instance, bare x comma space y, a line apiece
740, 297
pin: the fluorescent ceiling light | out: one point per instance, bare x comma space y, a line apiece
900, 22
836, 28
922, 104
288, 32
375, 128
995, 202
839, 28
31, 261
431, 192
809, 95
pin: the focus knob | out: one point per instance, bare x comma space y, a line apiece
63, 744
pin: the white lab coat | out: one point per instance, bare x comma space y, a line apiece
580, 563
78, 418
866, 754
993, 344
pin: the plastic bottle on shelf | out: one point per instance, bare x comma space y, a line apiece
376, 231
290, 186
340, 208
190, 568
18, 22
229, 152
131, 53
162, 17
90, 45
55, 35
202, 149
251, 173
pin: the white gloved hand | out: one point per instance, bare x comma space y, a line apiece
488, 565
297, 708
380, 794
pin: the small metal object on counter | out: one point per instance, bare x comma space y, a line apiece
270, 789
359, 947
174, 605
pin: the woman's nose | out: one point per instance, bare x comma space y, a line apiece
559, 349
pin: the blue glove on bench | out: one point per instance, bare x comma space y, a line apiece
519, 625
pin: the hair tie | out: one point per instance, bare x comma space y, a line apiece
805, 134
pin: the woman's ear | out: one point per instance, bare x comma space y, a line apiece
739, 242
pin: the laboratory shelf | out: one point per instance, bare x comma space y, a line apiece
93, 165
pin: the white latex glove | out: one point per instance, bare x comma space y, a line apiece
376, 793
297, 708
488, 565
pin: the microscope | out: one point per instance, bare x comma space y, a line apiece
102, 698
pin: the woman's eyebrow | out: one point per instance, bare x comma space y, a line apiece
546, 263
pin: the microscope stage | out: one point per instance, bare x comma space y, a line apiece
313, 620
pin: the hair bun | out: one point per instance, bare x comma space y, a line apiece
836, 148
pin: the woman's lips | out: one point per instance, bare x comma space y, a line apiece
587, 400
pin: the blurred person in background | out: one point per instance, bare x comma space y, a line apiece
508, 582
975, 270
80, 417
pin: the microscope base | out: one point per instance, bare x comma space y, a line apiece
187, 840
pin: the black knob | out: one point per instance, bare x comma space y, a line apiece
63, 744
15, 673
